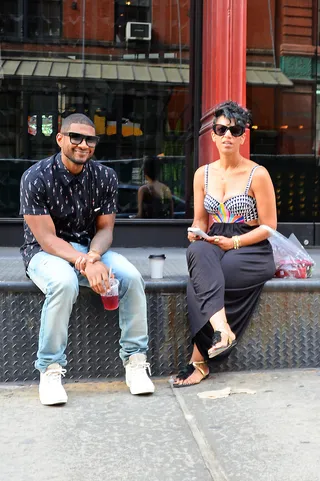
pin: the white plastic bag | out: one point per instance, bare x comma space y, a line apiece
290, 257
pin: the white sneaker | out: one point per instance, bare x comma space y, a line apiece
51, 390
137, 378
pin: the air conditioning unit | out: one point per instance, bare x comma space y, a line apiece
138, 31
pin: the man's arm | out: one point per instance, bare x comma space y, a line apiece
97, 273
104, 234
98, 246
44, 231
100, 243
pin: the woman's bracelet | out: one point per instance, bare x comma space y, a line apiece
236, 242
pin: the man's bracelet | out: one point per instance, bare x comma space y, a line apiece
92, 251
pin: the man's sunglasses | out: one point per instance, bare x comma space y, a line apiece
76, 139
235, 130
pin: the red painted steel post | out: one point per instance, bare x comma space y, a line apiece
223, 66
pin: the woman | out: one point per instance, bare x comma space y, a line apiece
227, 271
154, 198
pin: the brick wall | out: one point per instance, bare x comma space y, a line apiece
297, 22
99, 24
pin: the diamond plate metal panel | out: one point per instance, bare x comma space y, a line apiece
18, 334
284, 333
93, 346
170, 343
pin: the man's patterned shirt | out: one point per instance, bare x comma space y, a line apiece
73, 201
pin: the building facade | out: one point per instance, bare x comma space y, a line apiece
123, 63
286, 134
148, 73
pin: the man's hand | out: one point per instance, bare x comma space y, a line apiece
82, 260
98, 276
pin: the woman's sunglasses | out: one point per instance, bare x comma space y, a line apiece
235, 130
76, 139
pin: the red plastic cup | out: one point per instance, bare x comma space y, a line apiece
110, 299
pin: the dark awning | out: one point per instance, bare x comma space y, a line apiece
124, 71
60, 68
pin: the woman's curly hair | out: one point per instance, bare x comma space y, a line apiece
233, 111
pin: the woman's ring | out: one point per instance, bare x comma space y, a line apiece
216, 239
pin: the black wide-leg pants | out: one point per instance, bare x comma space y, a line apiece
231, 279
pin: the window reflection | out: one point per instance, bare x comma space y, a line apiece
284, 137
32, 125
134, 89
30, 19
132, 11
47, 127
10, 18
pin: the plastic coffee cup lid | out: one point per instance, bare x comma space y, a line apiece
157, 256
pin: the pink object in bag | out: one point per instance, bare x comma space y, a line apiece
291, 259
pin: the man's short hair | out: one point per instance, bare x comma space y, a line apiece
75, 119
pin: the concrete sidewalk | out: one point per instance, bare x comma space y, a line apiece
105, 433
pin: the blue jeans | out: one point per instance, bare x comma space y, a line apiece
60, 281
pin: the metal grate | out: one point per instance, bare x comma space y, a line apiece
284, 333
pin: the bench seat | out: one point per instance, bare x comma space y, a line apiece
284, 331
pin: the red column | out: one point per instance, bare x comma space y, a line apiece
223, 65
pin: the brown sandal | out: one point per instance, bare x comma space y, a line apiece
188, 370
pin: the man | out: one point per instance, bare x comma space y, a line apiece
69, 203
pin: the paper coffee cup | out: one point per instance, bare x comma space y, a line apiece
156, 263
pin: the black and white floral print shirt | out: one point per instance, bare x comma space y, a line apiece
73, 201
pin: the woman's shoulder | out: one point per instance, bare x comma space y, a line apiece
260, 175
165, 189
144, 190
199, 173
249, 164
255, 168
201, 169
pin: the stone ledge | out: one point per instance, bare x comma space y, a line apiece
174, 283
284, 331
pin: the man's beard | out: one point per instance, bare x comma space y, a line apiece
77, 162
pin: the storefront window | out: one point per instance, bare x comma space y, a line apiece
282, 97
31, 19
9, 18
318, 91
129, 13
134, 88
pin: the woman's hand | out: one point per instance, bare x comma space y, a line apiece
192, 237
225, 243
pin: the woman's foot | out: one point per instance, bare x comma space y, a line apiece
223, 339
192, 374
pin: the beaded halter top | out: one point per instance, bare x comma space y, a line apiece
239, 208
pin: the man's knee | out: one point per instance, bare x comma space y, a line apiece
66, 285
132, 279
